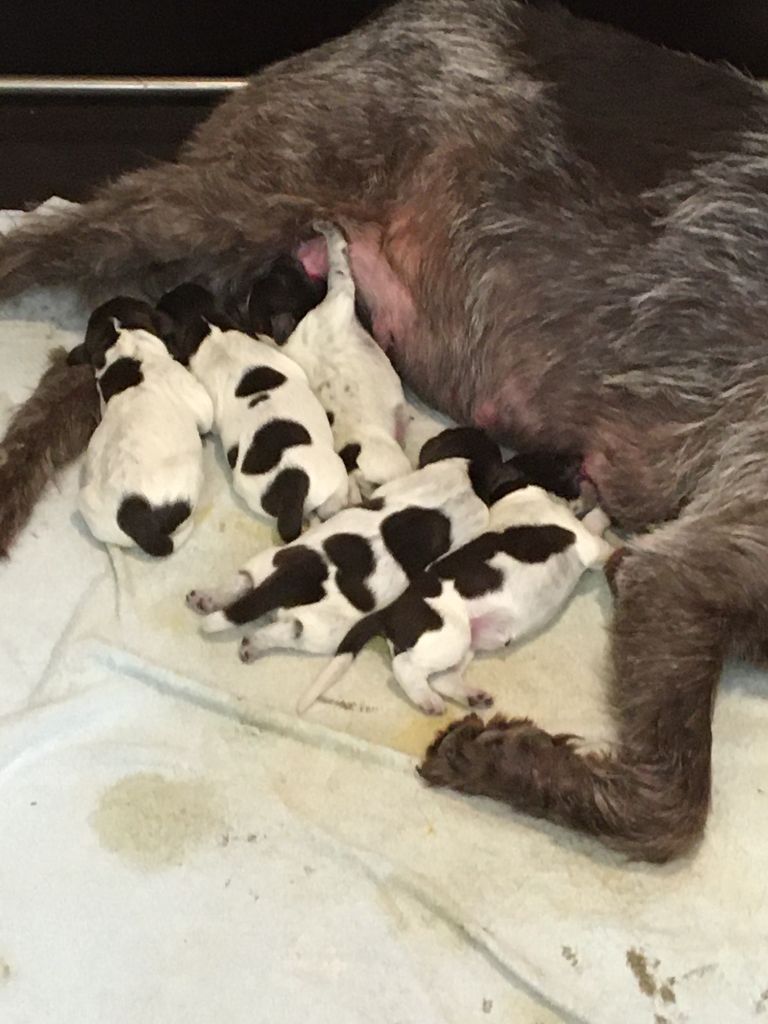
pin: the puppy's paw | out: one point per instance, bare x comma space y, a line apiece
201, 602
432, 704
247, 652
478, 698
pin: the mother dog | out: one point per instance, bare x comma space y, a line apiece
562, 235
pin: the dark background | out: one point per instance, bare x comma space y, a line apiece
65, 147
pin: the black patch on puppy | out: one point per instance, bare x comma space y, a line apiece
372, 504
284, 499
259, 378
122, 374
535, 543
151, 526
349, 455
407, 618
270, 441
468, 567
190, 310
256, 400
353, 557
474, 445
298, 579
415, 537
232, 454
331, 418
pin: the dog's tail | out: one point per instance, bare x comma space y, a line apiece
151, 526
46, 433
150, 230
349, 648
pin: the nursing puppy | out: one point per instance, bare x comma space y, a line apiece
280, 297
496, 590
274, 431
350, 374
143, 467
316, 589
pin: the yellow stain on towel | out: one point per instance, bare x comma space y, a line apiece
153, 822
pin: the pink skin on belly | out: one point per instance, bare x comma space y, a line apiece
391, 306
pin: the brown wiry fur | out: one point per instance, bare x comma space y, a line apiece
562, 234
46, 432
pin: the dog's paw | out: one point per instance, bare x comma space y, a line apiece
201, 602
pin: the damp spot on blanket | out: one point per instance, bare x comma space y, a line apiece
760, 1005
638, 964
416, 736
153, 822
569, 954
5, 972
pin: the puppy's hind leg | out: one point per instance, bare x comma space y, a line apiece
285, 634
416, 685
212, 600
453, 686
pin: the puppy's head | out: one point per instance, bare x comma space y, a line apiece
105, 324
280, 297
555, 472
190, 311
472, 444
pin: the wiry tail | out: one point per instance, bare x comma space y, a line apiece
349, 648
50, 429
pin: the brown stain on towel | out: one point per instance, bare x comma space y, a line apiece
153, 822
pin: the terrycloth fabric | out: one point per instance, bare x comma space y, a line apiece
177, 845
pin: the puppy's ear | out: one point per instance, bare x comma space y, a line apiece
558, 473
78, 356
468, 443
508, 478
163, 326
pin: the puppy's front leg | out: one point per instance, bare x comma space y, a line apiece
206, 601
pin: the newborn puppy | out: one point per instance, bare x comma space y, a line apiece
495, 590
351, 376
317, 588
143, 467
274, 431
281, 297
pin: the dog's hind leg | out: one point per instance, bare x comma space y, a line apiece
650, 796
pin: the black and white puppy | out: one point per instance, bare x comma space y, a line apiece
143, 468
496, 590
311, 592
274, 431
350, 374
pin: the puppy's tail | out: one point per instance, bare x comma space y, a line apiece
49, 430
349, 648
151, 526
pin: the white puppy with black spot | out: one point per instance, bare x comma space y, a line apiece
350, 374
310, 593
494, 591
143, 467
274, 431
